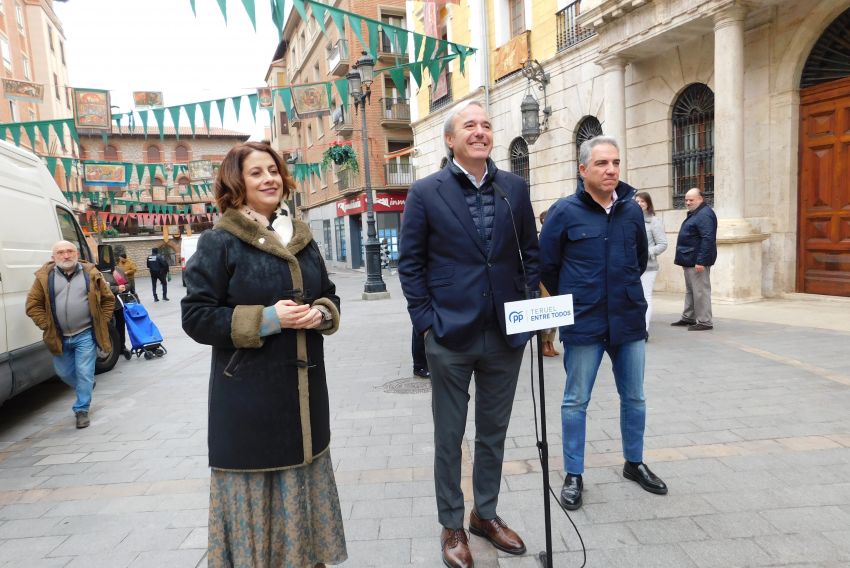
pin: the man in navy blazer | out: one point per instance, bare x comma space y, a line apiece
468, 245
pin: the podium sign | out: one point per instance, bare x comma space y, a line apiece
540, 313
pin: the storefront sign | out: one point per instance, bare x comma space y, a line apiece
382, 203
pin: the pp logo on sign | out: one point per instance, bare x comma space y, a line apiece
515, 317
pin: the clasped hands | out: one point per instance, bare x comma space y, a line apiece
297, 316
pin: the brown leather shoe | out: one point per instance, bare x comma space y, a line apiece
455, 546
497, 532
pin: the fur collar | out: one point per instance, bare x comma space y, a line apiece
254, 234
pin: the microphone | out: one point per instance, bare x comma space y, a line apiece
504, 196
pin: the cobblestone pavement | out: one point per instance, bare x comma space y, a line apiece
748, 425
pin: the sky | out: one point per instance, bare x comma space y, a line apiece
159, 45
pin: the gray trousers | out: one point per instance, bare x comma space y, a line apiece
697, 295
496, 367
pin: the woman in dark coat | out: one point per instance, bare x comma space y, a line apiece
259, 294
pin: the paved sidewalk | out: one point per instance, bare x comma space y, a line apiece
748, 424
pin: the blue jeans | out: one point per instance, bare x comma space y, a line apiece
582, 363
75, 366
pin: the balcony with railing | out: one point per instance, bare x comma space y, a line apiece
342, 120
569, 33
395, 113
338, 58
445, 99
347, 181
398, 174
294, 119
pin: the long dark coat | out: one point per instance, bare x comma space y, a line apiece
268, 399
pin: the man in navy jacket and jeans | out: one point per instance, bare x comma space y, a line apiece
468, 245
696, 251
593, 246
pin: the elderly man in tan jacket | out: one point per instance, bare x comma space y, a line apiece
71, 303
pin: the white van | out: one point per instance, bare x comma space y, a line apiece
188, 246
33, 215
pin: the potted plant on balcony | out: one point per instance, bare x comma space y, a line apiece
341, 154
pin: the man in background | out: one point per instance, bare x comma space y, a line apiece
696, 252
71, 303
158, 266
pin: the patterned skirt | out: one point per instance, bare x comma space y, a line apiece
288, 518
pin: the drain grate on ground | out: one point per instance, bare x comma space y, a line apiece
407, 385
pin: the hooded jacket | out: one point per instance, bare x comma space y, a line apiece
598, 258
101, 305
268, 397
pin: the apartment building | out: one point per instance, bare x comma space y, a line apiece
747, 100
334, 204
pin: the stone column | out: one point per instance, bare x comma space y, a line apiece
615, 105
729, 112
737, 276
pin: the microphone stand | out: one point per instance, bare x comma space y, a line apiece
545, 556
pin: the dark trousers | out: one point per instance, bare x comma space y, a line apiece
159, 276
496, 367
420, 362
120, 328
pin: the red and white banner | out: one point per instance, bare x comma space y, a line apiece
383, 203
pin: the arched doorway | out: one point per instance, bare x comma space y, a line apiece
823, 244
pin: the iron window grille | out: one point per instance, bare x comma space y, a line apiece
518, 151
588, 128
693, 144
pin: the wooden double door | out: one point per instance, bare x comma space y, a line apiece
823, 251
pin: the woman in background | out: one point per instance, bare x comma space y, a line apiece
657, 241
260, 295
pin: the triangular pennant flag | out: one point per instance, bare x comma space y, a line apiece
237, 103
372, 28
461, 52
67, 163
280, 10
29, 128
16, 134
354, 22
3, 132
159, 115
286, 97
249, 7
44, 130
205, 113
175, 118
434, 70
339, 20
299, 5
151, 173
416, 72
58, 129
276, 17
428, 52
401, 38
220, 106
397, 75
192, 3
190, 113
140, 174
417, 44
222, 5
51, 165
143, 114
252, 104
342, 89
320, 13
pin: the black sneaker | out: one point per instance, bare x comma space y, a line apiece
166, 299
424, 373
683, 323
700, 327
155, 299
82, 419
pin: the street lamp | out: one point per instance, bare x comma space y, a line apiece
359, 83
530, 108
